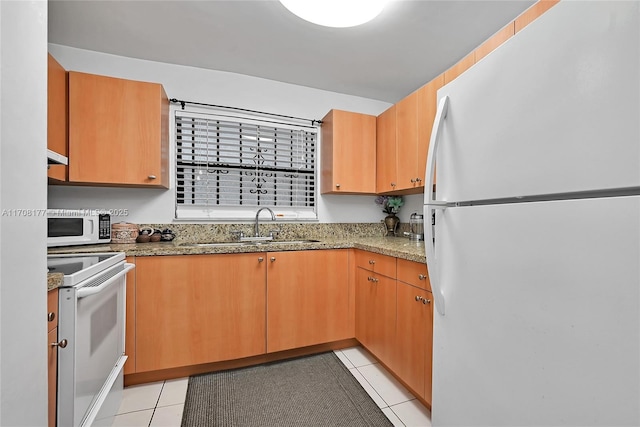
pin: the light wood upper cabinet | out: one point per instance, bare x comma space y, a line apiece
532, 13
118, 132
460, 67
427, 108
348, 152
57, 106
196, 309
307, 298
494, 41
386, 159
413, 120
407, 142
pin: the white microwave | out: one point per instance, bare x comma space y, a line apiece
66, 227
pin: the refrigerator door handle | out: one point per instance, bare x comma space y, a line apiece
431, 204
430, 253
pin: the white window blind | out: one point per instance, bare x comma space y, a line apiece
227, 167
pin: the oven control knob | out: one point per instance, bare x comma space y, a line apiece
62, 344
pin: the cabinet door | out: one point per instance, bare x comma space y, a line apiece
130, 327
414, 273
411, 359
376, 313
52, 369
198, 309
348, 152
307, 298
407, 142
386, 159
532, 13
57, 104
460, 67
494, 41
427, 108
377, 263
118, 131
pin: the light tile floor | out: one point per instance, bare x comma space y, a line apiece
161, 403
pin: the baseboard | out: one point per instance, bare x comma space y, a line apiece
185, 371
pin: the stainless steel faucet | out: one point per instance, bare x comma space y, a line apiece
256, 233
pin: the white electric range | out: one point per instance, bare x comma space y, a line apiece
91, 336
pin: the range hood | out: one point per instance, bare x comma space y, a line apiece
54, 158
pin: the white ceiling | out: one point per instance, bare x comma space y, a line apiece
407, 45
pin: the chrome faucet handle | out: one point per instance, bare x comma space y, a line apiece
274, 233
237, 234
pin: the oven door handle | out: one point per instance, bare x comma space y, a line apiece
92, 290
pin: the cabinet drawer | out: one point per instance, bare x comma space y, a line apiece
381, 264
52, 310
413, 273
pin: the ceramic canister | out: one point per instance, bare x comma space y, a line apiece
124, 232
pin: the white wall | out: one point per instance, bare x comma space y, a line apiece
214, 87
23, 285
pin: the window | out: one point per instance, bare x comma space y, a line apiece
227, 167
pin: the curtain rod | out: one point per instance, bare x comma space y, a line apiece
183, 103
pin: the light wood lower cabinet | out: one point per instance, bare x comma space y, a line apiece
376, 312
52, 355
130, 317
411, 358
307, 298
199, 309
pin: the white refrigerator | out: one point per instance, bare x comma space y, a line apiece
534, 257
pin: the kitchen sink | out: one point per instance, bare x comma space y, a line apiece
204, 245
250, 243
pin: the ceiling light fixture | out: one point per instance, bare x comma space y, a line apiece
336, 13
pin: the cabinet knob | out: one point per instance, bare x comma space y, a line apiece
260, 259
417, 298
393, 184
372, 261
151, 177
62, 344
51, 317
413, 180
421, 276
273, 259
426, 301
337, 185
418, 180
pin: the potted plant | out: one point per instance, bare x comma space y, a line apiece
391, 206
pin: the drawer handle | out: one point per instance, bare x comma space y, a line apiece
152, 177
62, 344
424, 300
421, 276
51, 317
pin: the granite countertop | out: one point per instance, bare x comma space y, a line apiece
391, 246
54, 280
